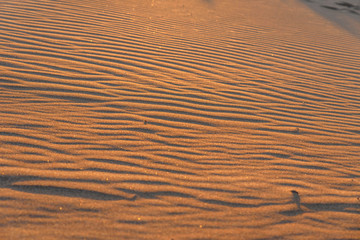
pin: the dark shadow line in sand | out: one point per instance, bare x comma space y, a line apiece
156, 194
88, 210
166, 143
174, 171
14, 134
69, 192
7, 199
29, 126
254, 118
40, 216
134, 222
291, 130
139, 129
169, 184
122, 163
61, 89
111, 161
337, 207
7, 180
293, 185
226, 203
37, 146
207, 189
11, 182
184, 120
291, 213
173, 156
82, 237
117, 171
316, 207
148, 182
302, 166
76, 99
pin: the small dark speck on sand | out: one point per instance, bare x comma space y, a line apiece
145, 122
296, 198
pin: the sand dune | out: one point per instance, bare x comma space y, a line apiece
159, 119
345, 14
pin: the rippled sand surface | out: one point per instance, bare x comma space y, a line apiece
162, 119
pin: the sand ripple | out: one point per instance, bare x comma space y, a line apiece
177, 119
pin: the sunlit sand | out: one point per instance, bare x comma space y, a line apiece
188, 119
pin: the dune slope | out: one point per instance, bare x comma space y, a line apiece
159, 119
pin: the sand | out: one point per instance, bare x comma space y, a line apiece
345, 14
186, 119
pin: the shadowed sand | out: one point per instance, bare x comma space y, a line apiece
345, 14
159, 119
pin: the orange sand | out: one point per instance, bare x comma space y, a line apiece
178, 119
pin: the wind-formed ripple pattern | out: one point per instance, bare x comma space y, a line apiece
159, 119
